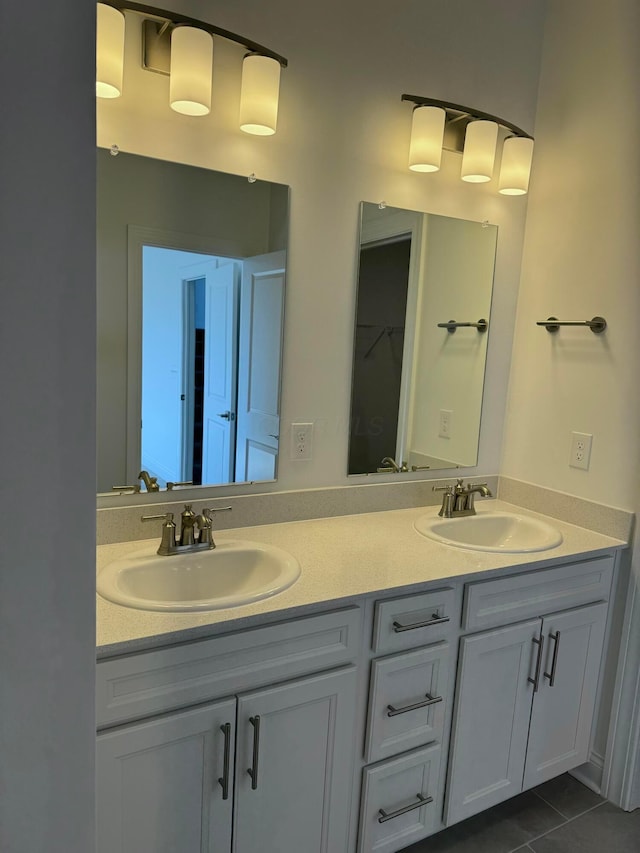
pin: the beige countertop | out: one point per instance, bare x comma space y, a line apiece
343, 559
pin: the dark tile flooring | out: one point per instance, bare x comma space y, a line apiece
561, 816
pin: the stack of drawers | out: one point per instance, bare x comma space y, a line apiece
401, 800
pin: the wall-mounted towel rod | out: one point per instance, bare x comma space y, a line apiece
482, 325
552, 324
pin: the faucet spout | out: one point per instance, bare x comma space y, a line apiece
151, 483
390, 464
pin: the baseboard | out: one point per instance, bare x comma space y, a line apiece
590, 774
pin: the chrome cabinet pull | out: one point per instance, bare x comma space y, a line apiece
536, 679
398, 627
253, 770
554, 660
430, 700
422, 801
224, 779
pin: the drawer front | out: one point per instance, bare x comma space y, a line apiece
407, 701
400, 801
415, 620
489, 604
142, 685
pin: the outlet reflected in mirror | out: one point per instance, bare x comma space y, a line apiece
418, 379
191, 270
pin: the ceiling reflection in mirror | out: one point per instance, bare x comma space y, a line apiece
424, 289
191, 275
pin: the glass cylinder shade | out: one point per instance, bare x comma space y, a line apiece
109, 51
479, 151
259, 94
191, 69
427, 133
517, 154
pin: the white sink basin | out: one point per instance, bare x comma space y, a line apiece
232, 574
491, 531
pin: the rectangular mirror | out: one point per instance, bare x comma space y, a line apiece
191, 276
422, 322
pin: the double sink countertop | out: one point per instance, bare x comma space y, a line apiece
342, 559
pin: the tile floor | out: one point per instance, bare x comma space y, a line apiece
561, 816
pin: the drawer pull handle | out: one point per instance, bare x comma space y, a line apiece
224, 779
422, 801
398, 627
554, 661
430, 700
253, 770
536, 679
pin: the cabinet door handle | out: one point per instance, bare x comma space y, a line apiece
224, 779
398, 627
253, 770
430, 700
422, 801
536, 679
554, 660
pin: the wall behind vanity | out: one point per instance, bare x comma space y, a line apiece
343, 137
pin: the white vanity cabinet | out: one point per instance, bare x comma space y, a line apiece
401, 797
526, 691
262, 771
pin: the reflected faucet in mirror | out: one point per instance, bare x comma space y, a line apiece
417, 387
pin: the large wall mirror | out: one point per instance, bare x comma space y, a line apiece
424, 291
191, 274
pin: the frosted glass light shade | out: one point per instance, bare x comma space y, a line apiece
190, 74
109, 51
515, 169
427, 133
479, 151
259, 94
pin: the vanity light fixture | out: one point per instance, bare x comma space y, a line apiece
182, 49
109, 51
259, 94
441, 124
190, 74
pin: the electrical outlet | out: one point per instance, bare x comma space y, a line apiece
301, 441
580, 452
446, 416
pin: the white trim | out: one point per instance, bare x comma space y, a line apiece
622, 766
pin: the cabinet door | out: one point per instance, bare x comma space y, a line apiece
158, 786
493, 708
297, 741
563, 707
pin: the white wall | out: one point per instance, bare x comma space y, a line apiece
343, 137
581, 259
450, 367
47, 428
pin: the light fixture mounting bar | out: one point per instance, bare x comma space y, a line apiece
461, 116
176, 19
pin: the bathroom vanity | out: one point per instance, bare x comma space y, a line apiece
398, 687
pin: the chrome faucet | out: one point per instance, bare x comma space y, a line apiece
389, 465
459, 500
188, 540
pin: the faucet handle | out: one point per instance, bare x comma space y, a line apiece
447, 489
166, 516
